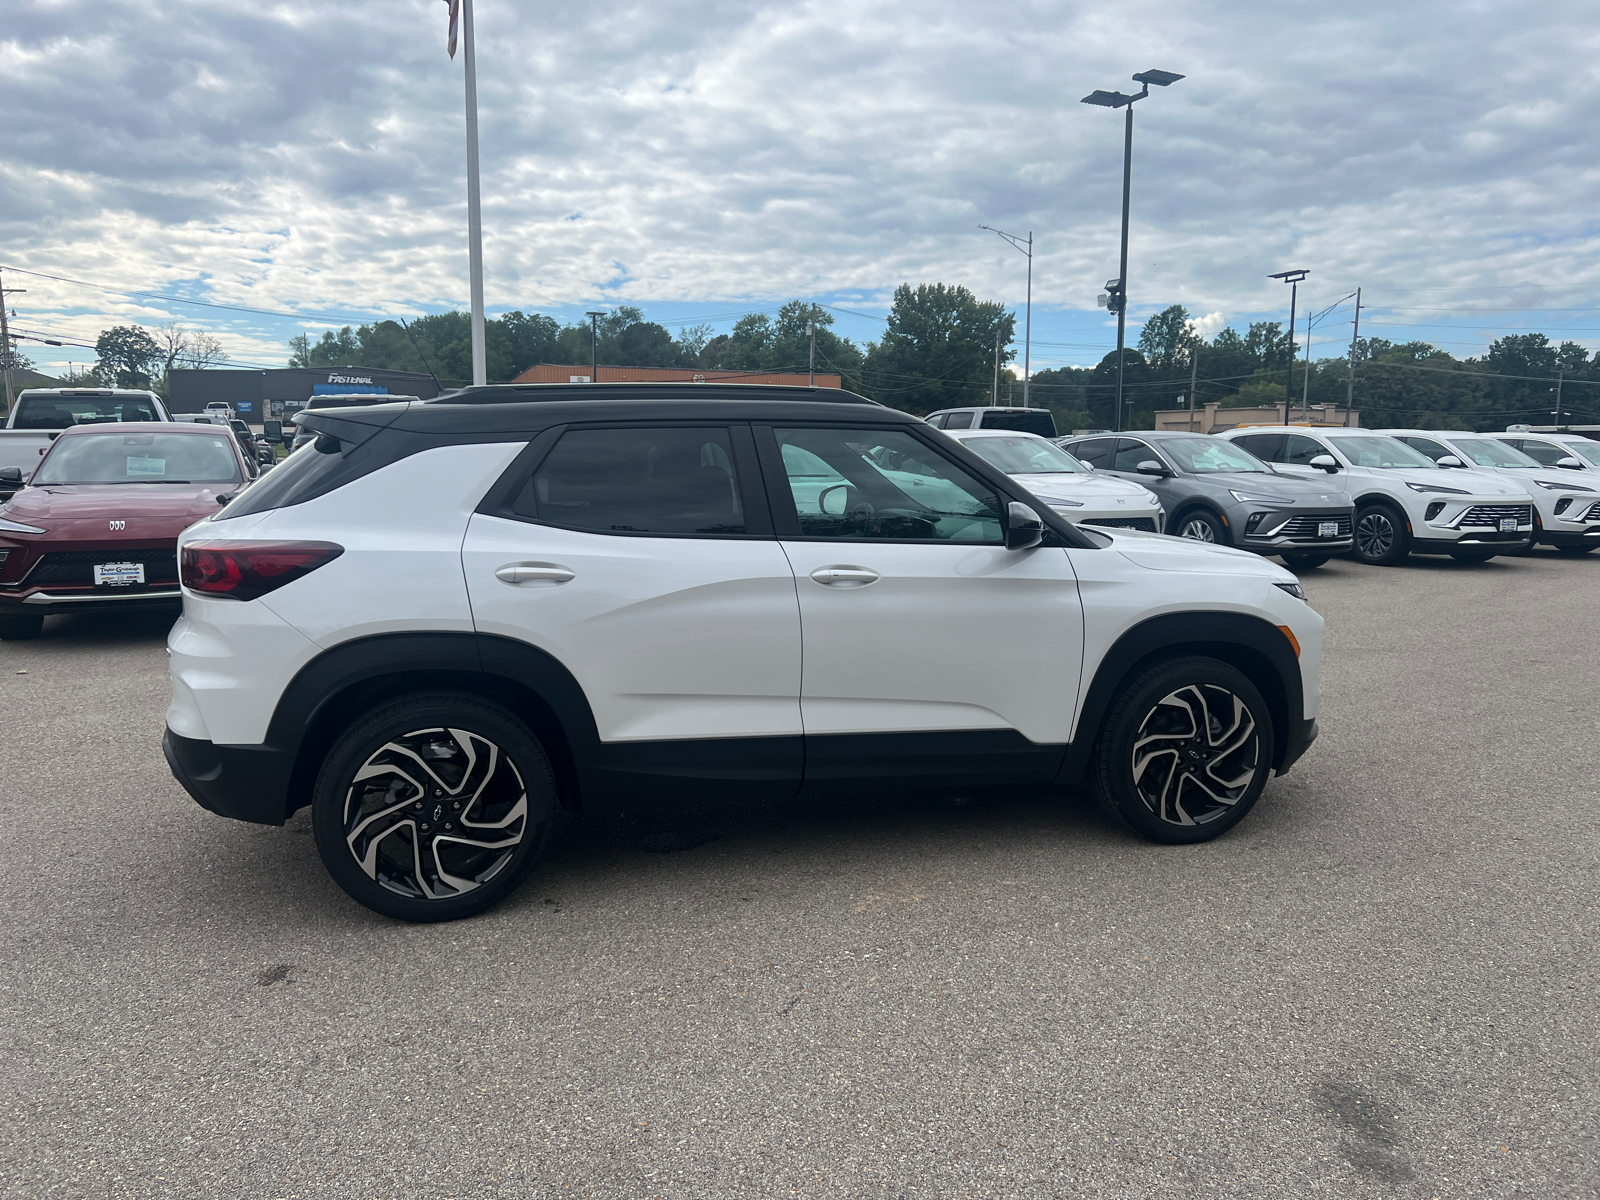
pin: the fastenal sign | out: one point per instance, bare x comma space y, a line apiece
350, 379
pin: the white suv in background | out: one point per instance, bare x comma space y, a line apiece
1064, 483
441, 622
1569, 451
1405, 503
1566, 506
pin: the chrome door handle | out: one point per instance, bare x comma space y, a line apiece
515, 573
844, 576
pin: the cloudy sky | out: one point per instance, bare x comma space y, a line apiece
706, 159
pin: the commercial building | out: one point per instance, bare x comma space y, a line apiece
1213, 418
258, 396
568, 373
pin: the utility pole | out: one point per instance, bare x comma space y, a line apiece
1292, 278
1305, 394
1560, 373
1194, 376
1025, 247
474, 201
1350, 380
994, 392
594, 345
7, 351
811, 358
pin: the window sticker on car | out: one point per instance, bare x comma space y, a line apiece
146, 466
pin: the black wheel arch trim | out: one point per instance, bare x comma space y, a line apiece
1254, 646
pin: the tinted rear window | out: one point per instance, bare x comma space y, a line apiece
62, 412
678, 481
1042, 423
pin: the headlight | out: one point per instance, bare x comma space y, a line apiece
1057, 502
1258, 497
1434, 487
18, 527
1561, 487
1294, 589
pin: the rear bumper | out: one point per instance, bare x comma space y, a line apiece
1301, 735
247, 783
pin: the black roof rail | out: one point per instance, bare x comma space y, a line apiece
522, 393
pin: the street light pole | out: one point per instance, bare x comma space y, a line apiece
7, 351
1292, 278
474, 202
1119, 294
994, 393
1026, 247
594, 345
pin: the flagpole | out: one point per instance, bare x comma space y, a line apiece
474, 206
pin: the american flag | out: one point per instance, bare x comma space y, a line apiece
455, 16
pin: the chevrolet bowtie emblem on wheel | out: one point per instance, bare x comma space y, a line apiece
117, 526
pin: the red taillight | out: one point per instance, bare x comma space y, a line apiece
245, 570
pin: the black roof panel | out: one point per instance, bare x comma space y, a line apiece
520, 393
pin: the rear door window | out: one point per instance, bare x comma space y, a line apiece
1268, 447
638, 480
1097, 452
961, 420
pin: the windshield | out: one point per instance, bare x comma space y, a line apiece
1024, 456
1208, 456
139, 458
1486, 452
63, 412
1385, 453
1589, 451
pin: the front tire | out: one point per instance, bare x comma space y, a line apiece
1381, 536
1198, 525
20, 627
433, 807
1184, 752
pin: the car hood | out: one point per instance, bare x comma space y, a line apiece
154, 508
1290, 487
1475, 483
1158, 552
1072, 486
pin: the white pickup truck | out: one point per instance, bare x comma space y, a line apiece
41, 413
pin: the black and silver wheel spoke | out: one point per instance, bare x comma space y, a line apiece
435, 813
1196, 754
1374, 534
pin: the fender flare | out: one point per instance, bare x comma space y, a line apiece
1254, 646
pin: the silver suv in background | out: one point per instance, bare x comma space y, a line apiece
1217, 492
1027, 420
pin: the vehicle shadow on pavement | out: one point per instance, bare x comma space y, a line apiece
105, 629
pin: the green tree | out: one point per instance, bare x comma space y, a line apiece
1167, 340
761, 343
938, 349
127, 357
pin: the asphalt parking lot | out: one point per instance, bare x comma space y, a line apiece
1382, 984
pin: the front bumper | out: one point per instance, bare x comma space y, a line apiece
1574, 537
1293, 531
43, 601
1301, 735
247, 783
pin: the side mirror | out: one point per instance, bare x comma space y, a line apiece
834, 500
1151, 467
1570, 464
1324, 462
224, 499
1024, 529
1449, 460
10, 474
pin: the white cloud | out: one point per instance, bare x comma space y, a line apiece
730, 152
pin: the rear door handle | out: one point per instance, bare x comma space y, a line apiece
844, 576
515, 573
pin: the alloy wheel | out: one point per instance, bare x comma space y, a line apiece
436, 813
1375, 534
1196, 754
1198, 530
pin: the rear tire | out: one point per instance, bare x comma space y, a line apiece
1198, 525
1382, 539
434, 807
19, 627
1303, 562
1184, 752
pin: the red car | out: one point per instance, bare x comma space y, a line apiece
97, 525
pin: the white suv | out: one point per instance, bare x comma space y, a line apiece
1566, 510
442, 622
1065, 484
1405, 503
